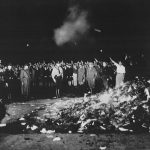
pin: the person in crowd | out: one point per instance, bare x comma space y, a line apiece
2, 83
147, 90
57, 76
69, 74
32, 71
16, 82
25, 82
91, 76
41, 76
75, 75
81, 74
81, 78
98, 80
105, 76
120, 73
50, 80
45, 76
3, 111
36, 76
32, 75
9, 80
65, 80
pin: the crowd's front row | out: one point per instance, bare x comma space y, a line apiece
83, 77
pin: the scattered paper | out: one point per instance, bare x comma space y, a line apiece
23, 123
21, 119
43, 130
57, 139
102, 147
2, 125
34, 127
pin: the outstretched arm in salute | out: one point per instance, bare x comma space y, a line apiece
116, 64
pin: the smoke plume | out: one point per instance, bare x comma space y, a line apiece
73, 28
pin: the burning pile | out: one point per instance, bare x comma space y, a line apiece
123, 109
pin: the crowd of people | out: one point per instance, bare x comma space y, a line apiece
59, 78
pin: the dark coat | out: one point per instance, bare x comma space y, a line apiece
91, 76
25, 82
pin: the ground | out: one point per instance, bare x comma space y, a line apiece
57, 141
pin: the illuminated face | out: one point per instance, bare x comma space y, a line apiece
104, 64
120, 63
25, 67
9, 67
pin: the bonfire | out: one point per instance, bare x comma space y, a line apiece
126, 109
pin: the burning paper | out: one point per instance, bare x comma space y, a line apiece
21, 119
34, 127
43, 130
57, 139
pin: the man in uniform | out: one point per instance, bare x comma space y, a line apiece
25, 81
81, 78
57, 76
91, 76
9, 80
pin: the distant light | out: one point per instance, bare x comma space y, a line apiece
142, 55
101, 50
28, 45
97, 30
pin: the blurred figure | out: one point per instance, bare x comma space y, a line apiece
75, 75
91, 76
105, 76
41, 76
57, 76
9, 80
69, 74
25, 81
46, 77
81, 78
81, 74
2, 111
98, 81
120, 73
32, 75
2, 83
147, 90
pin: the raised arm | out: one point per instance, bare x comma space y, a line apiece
53, 75
114, 62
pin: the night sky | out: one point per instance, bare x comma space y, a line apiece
124, 25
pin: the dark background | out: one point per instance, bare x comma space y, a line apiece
125, 28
